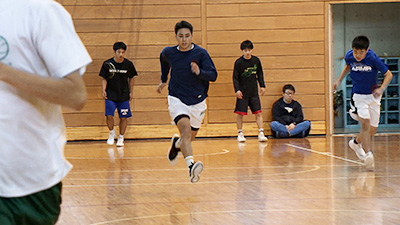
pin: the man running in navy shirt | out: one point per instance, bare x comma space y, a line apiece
191, 69
363, 65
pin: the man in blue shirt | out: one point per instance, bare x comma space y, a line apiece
363, 65
191, 69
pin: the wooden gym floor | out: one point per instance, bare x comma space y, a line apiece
317, 180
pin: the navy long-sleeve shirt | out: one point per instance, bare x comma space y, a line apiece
184, 84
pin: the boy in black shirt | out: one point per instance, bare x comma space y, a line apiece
118, 73
288, 119
247, 72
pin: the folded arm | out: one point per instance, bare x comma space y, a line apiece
68, 91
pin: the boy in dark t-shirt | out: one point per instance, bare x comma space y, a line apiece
118, 73
247, 73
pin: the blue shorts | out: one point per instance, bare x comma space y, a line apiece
124, 108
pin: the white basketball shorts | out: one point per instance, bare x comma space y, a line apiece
368, 107
196, 112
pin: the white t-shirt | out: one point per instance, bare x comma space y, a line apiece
36, 36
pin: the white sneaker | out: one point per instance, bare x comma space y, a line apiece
111, 139
357, 148
241, 137
261, 137
369, 161
120, 141
195, 170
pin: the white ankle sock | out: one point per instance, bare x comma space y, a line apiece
189, 160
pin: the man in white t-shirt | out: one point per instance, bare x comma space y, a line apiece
42, 60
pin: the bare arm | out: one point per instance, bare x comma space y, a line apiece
69, 91
104, 86
131, 84
388, 77
345, 71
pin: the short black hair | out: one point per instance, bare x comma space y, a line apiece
360, 42
288, 87
247, 44
119, 45
183, 24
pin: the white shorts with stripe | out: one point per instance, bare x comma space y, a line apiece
368, 107
196, 112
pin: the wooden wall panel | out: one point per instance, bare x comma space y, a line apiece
289, 38
277, 62
227, 116
268, 49
256, 2
132, 25
113, 11
280, 36
124, 2
143, 38
267, 23
267, 8
307, 101
138, 118
278, 75
137, 104
301, 87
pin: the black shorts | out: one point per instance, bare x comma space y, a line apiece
242, 105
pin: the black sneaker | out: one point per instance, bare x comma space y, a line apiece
173, 152
195, 170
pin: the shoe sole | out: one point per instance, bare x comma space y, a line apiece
369, 163
176, 159
196, 171
120, 145
263, 140
110, 143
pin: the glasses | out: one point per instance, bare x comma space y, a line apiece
289, 93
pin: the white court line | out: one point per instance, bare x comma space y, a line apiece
185, 169
219, 182
207, 182
224, 151
247, 211
215, 182
314, 168
326, 154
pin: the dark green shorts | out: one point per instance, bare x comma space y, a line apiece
39, 208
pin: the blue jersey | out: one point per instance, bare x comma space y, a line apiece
184, 84
364, 74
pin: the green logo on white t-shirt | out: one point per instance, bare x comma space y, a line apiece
4, 48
